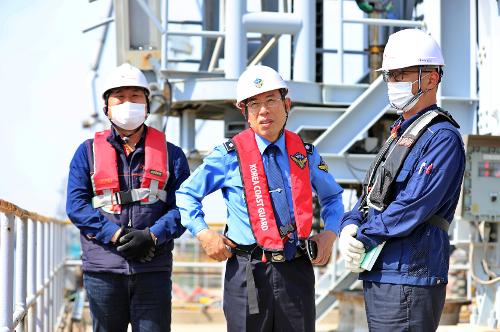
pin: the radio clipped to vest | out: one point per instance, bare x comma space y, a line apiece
105, 178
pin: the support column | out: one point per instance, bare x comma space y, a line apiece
235, 45
305, 46
188, 132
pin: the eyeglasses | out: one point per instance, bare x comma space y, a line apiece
398, 75
269, 103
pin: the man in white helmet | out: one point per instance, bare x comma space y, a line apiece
121, 195
266, 175
409, 195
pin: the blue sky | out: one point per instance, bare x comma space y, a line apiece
45, 83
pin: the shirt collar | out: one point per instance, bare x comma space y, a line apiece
404, 124
262, 143
115, 139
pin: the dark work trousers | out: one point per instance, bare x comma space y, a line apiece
143, 299
403, 307
285, 294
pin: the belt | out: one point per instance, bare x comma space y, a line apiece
256, 252
253, 251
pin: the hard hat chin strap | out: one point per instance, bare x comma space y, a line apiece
416, 96
286, 116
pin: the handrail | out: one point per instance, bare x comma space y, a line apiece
10, 208
32, 256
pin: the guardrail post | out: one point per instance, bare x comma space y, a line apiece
32, 266
50, 283
20, 282
6, 269
46, 276
39, 276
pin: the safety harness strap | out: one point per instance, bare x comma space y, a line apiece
126, 197
378, 194
253, 304
439, 222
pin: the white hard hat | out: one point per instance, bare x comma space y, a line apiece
125, 75
411, 47
257, 79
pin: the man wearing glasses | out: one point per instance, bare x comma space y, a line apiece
409, 195
266, 175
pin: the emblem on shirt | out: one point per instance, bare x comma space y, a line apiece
406, 141
322, 165
299, 159
258, 83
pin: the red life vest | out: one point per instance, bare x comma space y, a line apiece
105, 178
258, 199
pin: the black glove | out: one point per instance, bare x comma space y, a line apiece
124, 230
137, 245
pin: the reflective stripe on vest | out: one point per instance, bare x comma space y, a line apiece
105, 178
257, 197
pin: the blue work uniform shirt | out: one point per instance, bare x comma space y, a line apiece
220, 170
427, 184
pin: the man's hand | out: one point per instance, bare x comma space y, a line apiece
215, 244
137, 245
351, 249
354, 267
325, 242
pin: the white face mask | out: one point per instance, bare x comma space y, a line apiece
401, 97
128, 116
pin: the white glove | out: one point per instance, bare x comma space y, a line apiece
351, 249
354, 267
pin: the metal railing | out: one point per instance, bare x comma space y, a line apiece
32, 254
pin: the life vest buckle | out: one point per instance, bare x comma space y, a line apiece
124, 197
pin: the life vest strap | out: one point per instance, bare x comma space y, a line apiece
127, 197
287, 229
439, 222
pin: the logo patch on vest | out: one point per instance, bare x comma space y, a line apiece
258, 83
155, 172
322, 165
299, 159
406, 141
104, 181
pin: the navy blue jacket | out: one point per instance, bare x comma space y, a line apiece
429, 182
97, 227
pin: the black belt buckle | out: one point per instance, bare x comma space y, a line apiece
311, 248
